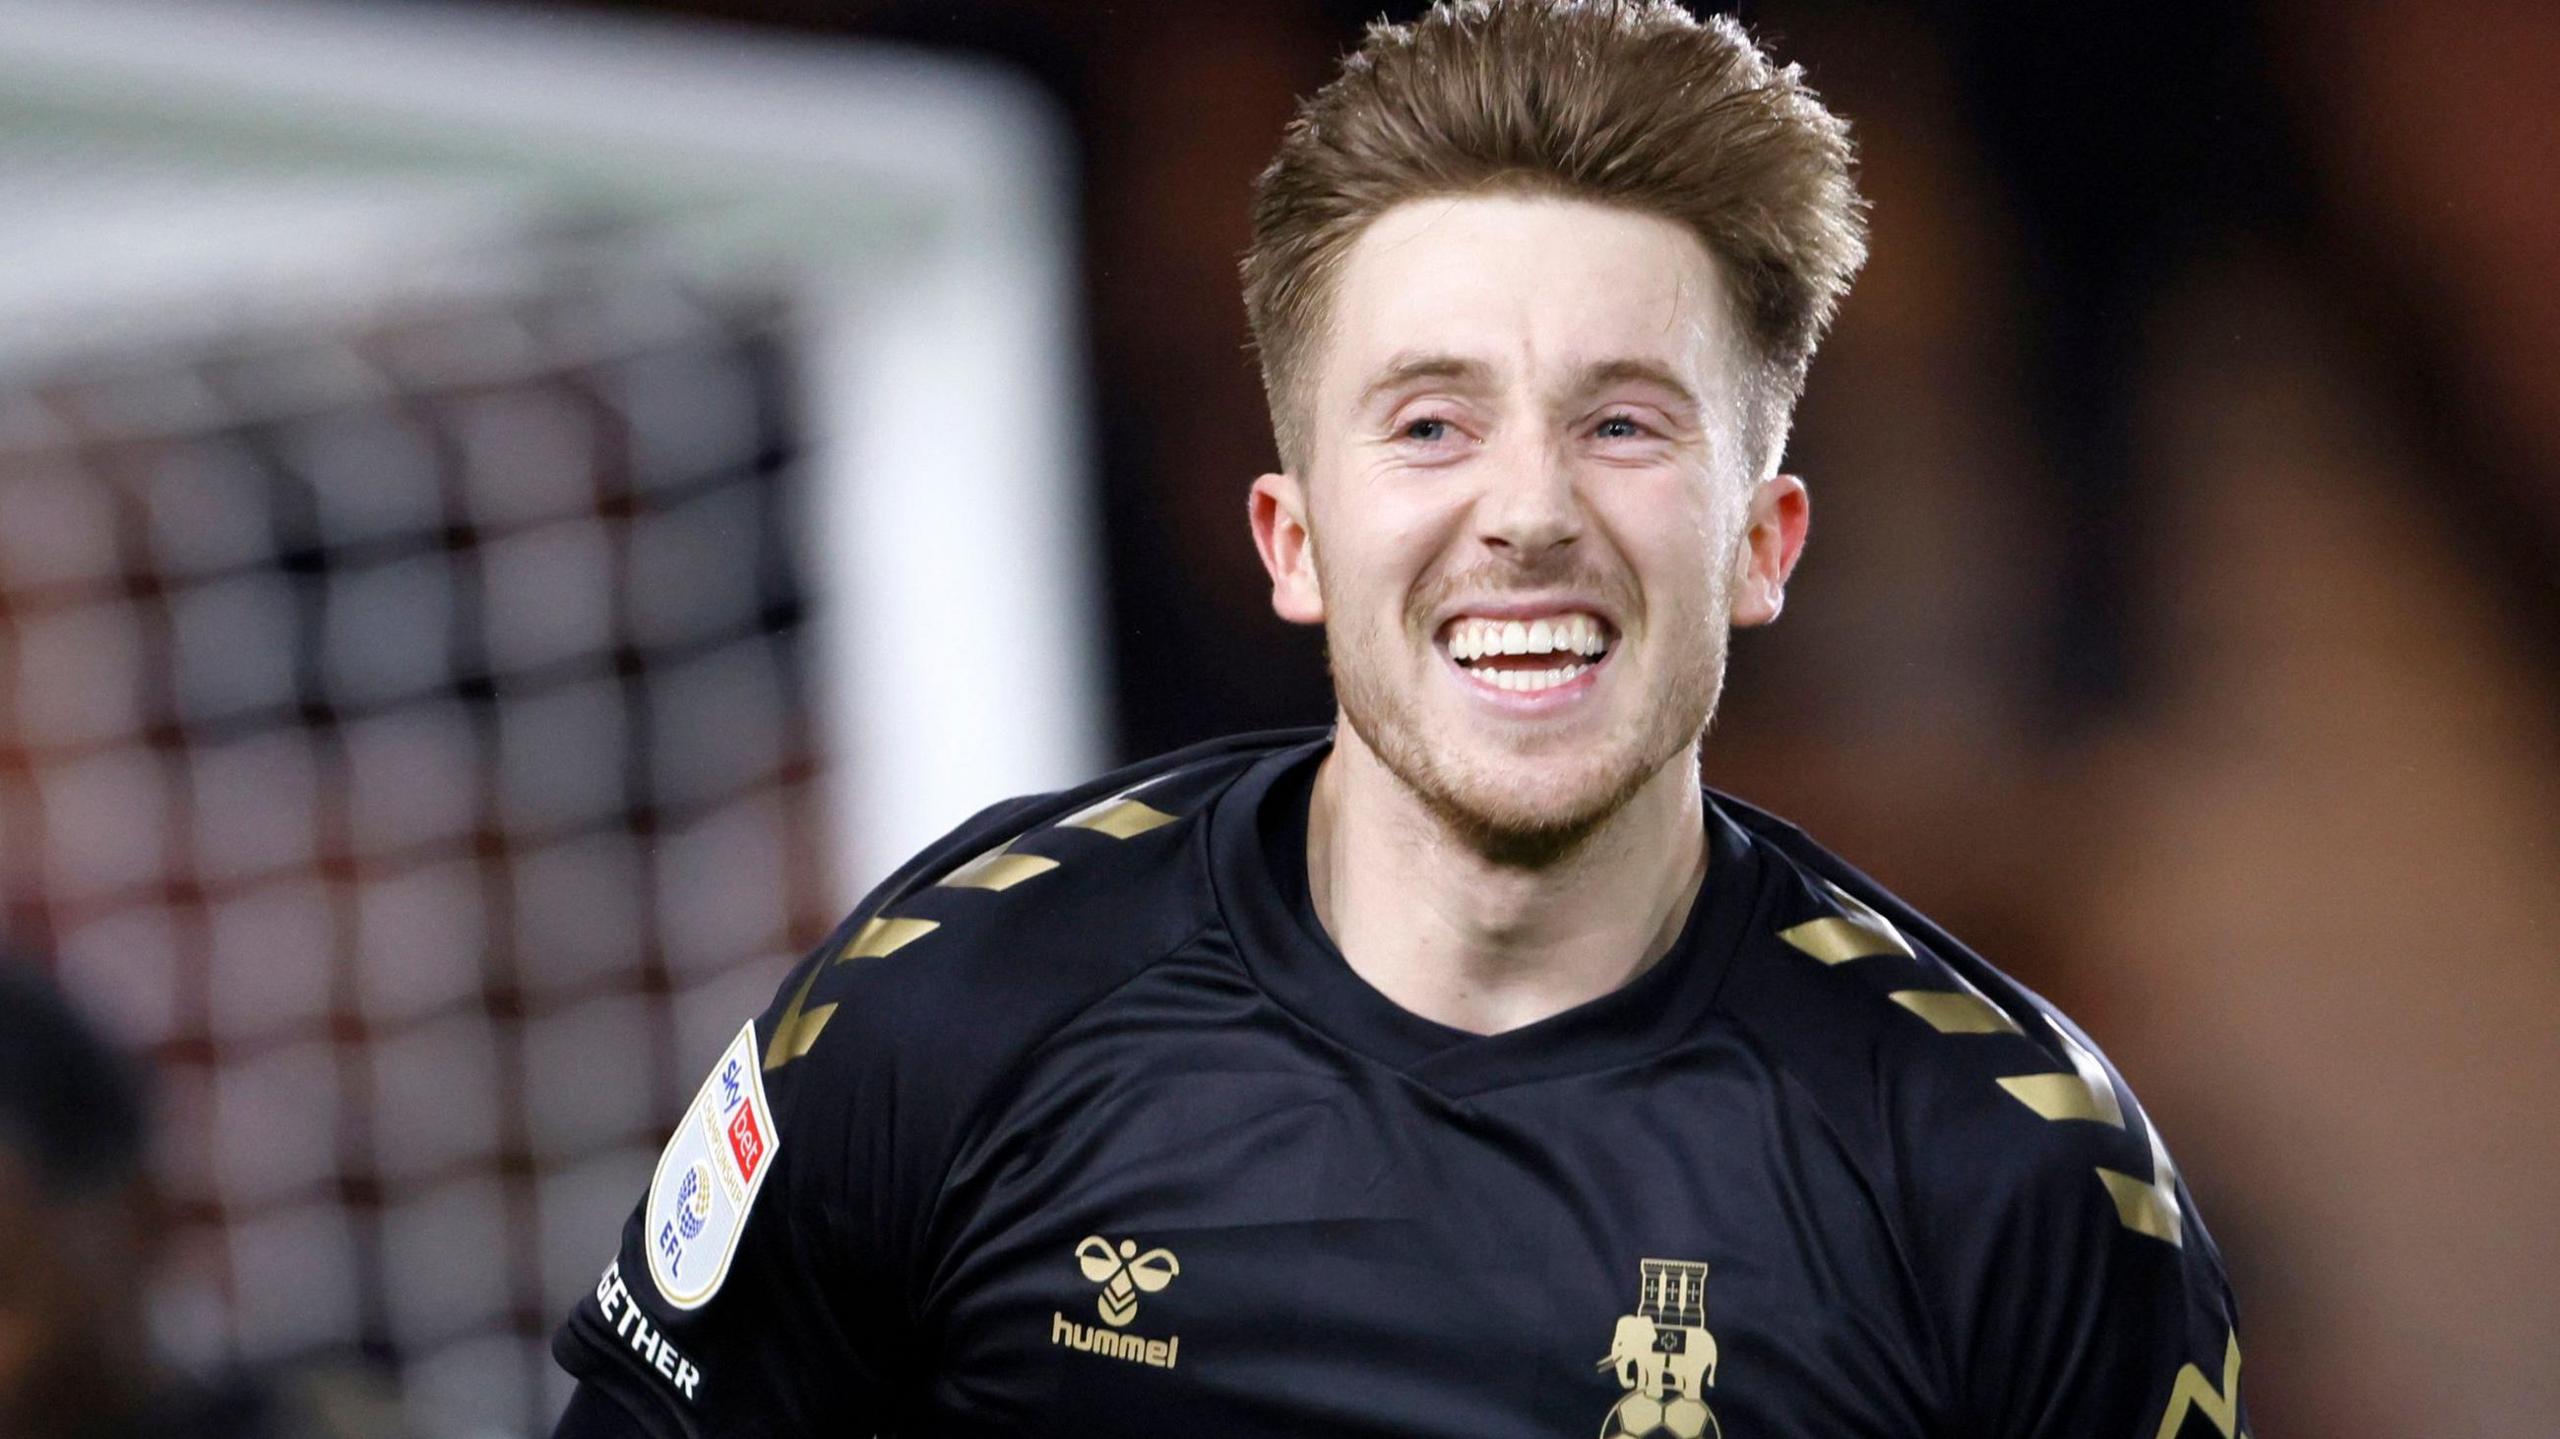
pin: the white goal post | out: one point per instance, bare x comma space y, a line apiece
917, 209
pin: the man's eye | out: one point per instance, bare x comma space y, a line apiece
1427, 431
1620, 427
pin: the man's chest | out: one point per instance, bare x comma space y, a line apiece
1299, 1250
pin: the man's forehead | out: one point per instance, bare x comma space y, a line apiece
1507, 289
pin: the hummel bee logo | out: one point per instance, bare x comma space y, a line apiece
1124, 1274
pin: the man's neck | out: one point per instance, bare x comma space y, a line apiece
1452, 936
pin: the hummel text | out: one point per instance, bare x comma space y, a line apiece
1095, 1339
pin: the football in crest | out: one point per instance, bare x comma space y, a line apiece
1644, 1416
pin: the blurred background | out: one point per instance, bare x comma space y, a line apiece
511, 518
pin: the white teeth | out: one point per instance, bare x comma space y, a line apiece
1576, 634
1531, 681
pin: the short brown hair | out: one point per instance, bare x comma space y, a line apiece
1632, 103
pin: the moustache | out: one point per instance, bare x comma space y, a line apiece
1495, 581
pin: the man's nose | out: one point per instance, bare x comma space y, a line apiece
1529, 508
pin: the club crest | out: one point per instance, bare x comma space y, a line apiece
1664, 1358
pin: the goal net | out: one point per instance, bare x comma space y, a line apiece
501, 533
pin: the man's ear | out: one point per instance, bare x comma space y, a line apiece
1278, 508
1770, 548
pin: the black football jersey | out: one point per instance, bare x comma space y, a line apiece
1081, 1126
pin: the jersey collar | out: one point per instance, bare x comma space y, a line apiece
1258, 863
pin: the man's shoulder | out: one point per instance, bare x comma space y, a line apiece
998, 933
1958, 1088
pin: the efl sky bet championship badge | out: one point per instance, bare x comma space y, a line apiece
708, 1177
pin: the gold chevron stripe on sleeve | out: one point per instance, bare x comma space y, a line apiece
1118, 817
1857, 932
2149, 1206
2142, 1207
792, 1040
1953, 1011
2192, 1392
2058, 1096
2102, 1089
880, 938
1837, 940
797, 1029
2085, 1093
998, 869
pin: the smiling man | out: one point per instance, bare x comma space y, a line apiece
1464, 1069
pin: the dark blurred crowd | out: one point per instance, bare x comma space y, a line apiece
81, 1233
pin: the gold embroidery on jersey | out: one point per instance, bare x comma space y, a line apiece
2149, 1206
2145, 1206
797, 1030
880, 938
2192, 1392
999, 869
1124, 1273
1956, 1011
1118, 817
2058, 1097
1858, 932
2085, 1093
996, 870
1664, 1357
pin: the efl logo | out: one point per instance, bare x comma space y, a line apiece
708, 1177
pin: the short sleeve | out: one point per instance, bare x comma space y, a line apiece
763, 1284
2088, 1302
755, 1289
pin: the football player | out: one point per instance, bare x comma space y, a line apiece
1464, 1068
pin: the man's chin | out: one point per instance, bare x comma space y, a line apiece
1525, 797
1528, 825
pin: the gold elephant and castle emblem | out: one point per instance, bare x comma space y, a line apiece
1124, 1274
1664, 1358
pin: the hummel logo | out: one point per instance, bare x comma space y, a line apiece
1123, 1274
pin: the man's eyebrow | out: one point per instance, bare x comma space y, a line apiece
1405, 369
1604, 373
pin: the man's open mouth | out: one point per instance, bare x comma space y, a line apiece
1528, 656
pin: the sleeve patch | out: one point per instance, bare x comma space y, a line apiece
708, 1177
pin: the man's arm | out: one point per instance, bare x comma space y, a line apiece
759, 1285
2087, 1299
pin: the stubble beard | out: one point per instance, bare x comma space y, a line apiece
1477, 800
